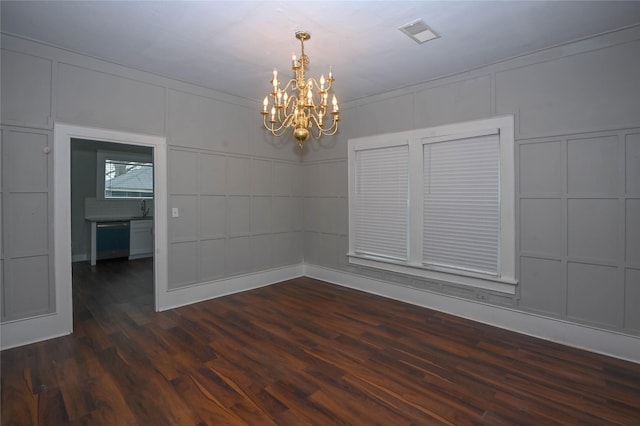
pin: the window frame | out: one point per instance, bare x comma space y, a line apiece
103, 155
505, 281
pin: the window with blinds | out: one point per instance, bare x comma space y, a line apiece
437, 203
462, 204
381, 202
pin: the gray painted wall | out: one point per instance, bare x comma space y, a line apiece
83, 185
27, 237
236, 189
237, 215
577, 112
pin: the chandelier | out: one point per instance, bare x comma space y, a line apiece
302, 103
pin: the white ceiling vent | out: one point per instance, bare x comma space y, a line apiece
419, 31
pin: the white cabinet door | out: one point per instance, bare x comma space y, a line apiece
141, 239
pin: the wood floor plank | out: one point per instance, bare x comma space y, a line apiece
76, 377
109, 405
19, 403
51, 408
210, 409
301, 352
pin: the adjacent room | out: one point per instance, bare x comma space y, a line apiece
111, 224
302, 212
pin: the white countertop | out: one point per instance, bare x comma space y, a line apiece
116, 218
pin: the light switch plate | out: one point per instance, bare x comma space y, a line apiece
175, 212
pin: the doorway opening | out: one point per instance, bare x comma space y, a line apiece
112, 196
64, 135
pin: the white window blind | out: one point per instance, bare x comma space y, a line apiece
381, 202
462, 204
437, 203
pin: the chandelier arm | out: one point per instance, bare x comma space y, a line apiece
289, 120
274, 94
334, 131
327, 83
317, 97
317, 135
269, 126
314, 119
326, 133
286, 113
329, 116
286, 87
323, 131
284, 117
288, 106
279, 130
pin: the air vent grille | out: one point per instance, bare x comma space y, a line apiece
419, 31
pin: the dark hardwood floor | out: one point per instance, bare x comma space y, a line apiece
296, 353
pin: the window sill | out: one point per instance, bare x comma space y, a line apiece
498, 284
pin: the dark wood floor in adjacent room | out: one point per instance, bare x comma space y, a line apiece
295, 353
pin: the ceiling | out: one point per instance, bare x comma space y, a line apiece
232, 46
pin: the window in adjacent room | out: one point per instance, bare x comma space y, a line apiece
437, 203
124, 176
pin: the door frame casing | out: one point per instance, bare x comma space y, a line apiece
63, 134
59, 323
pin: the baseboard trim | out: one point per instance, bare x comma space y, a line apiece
579, 336
174, 298
605, 342
32, 330
80, 258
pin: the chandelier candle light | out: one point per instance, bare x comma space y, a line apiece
302, 104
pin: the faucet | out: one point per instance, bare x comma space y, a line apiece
143, 208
